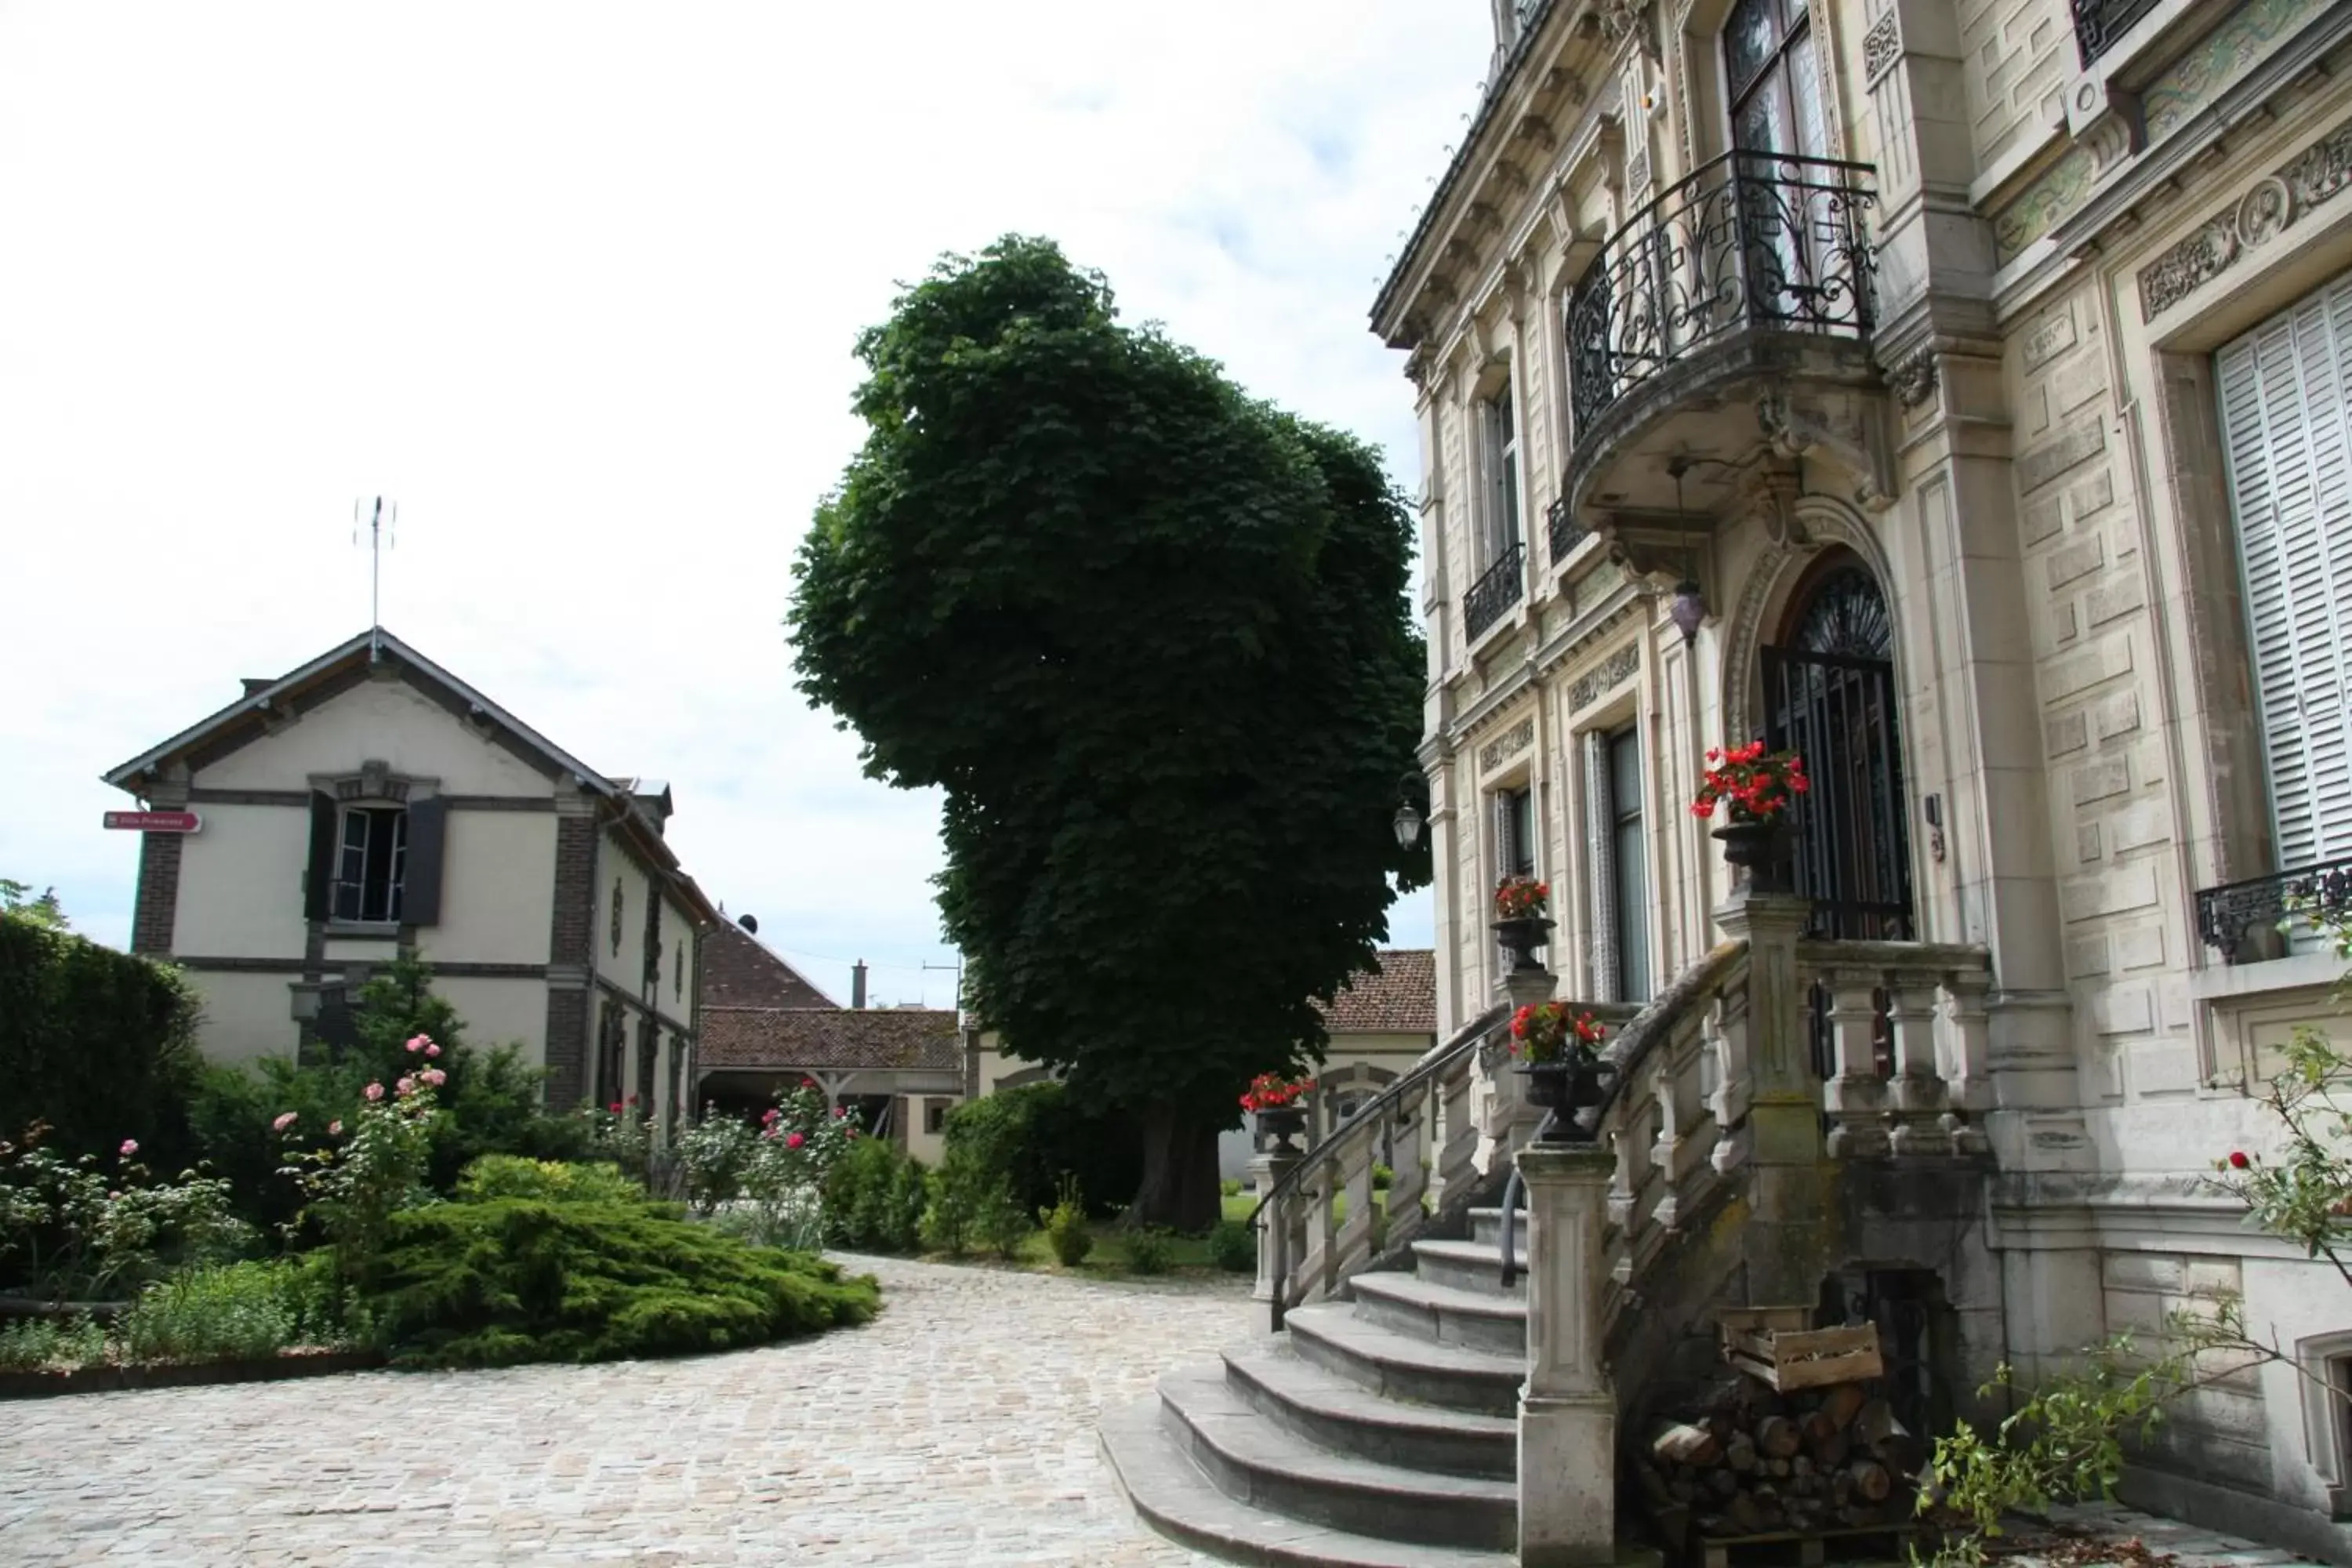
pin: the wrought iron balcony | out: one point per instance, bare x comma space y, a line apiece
2099, 22
2242, 919
1749, 242
1565, 533
1497, 590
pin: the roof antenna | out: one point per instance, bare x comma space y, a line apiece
379, 515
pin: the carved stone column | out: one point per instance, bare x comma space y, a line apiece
1568, 1411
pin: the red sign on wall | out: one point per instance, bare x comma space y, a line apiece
154, 821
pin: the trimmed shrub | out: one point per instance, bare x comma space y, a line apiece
552, 1181
1232, 1247
1030, 1137
1003, 1225
1065, 1225
874, 1199
1231, 1187
98, 1045
1383, 1178
514, 1279
1149, 1250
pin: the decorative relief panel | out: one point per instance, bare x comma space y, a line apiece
1607, 676
2316, 176
1881, 47
2251, 35
1506, 745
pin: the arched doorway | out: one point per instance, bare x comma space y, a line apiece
1828, 696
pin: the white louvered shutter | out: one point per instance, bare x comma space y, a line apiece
2284, 387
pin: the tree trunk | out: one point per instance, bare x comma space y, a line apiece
1180, 1172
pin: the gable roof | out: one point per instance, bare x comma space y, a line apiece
787, 1039
1400, 998
266, 703
739, 970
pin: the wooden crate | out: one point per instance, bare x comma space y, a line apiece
1787, 1359
1801, 1549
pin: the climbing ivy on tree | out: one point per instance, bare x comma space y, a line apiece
1150, 635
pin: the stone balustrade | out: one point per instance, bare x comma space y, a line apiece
1899, 1040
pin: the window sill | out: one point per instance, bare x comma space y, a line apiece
363, 931
2271, 978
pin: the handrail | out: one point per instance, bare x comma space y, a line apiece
1627, 1053
1466, 1039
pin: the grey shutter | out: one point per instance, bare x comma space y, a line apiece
420, 893
317, 879
2284, 388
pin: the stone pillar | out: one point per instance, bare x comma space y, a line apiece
1787, 1242
1567, 1412
1265, 1170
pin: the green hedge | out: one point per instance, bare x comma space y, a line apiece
98, 1044
508, 1280
1028, 1138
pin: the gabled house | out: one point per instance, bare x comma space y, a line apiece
371, 801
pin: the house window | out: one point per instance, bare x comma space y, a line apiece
935, 1116
370, 863
2287, 430
1502, 430
1629, 868
616, 916
1515, 832
678, 973
1775, 92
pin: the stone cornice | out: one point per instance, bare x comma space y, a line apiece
1593, 626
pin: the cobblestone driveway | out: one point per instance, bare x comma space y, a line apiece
957, 1429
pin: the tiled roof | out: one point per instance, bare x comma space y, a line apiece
784, 1039
1400, 999
739, 971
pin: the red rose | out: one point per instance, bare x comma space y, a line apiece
2238, 1161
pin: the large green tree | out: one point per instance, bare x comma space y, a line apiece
1150, 635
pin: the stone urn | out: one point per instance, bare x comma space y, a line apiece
1762, 850
1521, 936
1567, 1086
1281, 1124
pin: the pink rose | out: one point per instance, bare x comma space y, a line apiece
284, 1120
418, 1042
431, 1050
374, 1091
405, 1086
795, 1141
129, 1147
434, 1076
334, 1129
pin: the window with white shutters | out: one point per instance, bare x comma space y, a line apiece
2284, 390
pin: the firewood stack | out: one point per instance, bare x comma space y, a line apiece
1766, 1461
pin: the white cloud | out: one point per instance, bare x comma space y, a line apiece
578, 285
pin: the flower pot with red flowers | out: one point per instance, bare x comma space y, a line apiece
1275, 1101
1520, 925
1753, 790
1559, 1053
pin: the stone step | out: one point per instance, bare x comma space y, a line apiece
1466, 1266
1323, 1408
1253, 1459
1412, 1305
1487, 1227
1172, 1494
1405, 1366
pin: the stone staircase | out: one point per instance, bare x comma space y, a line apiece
1374, 1432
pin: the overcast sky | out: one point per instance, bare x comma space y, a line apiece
577, 285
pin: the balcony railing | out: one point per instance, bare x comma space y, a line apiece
1495, 591
2229, 917
1752, 241
2099, 22
1565, 533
